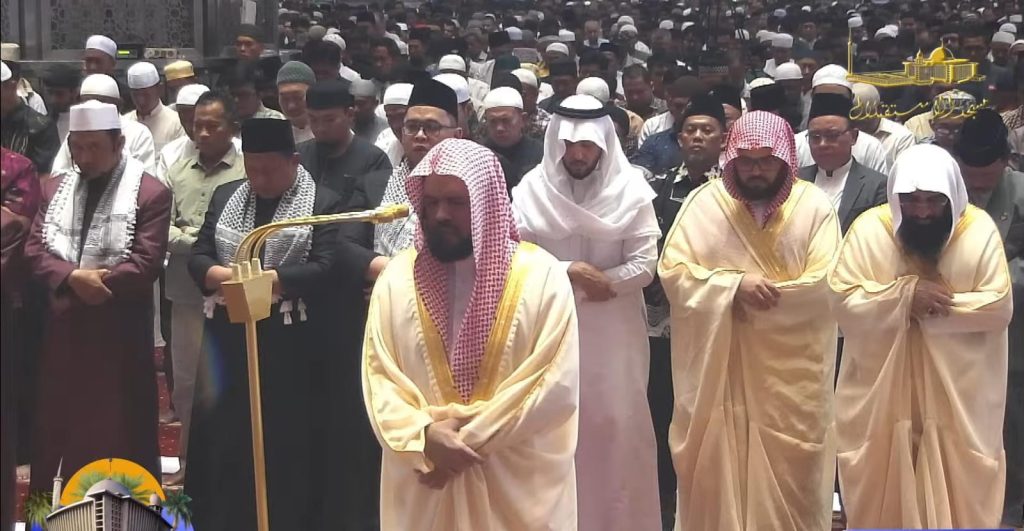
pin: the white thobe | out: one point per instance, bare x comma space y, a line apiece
654, 125
895, 137
616, 458
138, 143
163, 123
867, 150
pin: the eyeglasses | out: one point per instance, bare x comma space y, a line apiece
933, 202
830, 137
428, 128
949, 130
764, 163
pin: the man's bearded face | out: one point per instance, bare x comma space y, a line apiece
581, 158
927, 221
446, 218
759, 174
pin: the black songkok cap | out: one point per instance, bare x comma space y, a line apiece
498, 38
562, 67
704, 105
433, 93
267, 135
826, 104
250, 30
504, 79
329, 94
768, 98
728, 95
982, 140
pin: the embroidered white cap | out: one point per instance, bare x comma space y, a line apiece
628, 28
94, 116
398, 94
100, 85
557, 47
503, 97
1002, 37
760, 82
782, 40
336, 40
5, 72
451, 63
456, 83
526, 77
142, 75
362, 88
102, 43
595, 87
764, 36
885, 32
189, 94
855, 22
514, 33
788, 71
565, 35
1009, 28
831, 75
625, 19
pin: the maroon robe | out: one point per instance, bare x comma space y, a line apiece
19, 199
96, 391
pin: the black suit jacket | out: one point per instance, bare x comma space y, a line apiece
864, 189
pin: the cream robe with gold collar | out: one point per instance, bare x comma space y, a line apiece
920, 404
523, 413
752, 435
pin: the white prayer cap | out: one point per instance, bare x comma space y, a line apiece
317, 14
451, 63
625, 19
456, 83
764, 35
398, 94
1016, 19
282, 10
362, 88
628, 28
526, 77
782, 40
1003, 37
10, 51
760, 82
893, 28
855, 22
666, 24
1009, 28
189, 94
557, 47
333, 31
831, 75
788, 71
686, 24
94, 116
102, 43
565, 35
5, 72
514, 33
335, 39
885, 32
503, 97
100, 85
596, 87
742, 34
142, 75
1018, 45
865, 93
402, 26
780, 13
687, 11
806, 9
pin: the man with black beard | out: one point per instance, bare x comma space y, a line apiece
923, 296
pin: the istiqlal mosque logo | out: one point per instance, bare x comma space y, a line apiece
938, 67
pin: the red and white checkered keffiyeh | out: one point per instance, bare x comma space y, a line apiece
495, 240
755, 130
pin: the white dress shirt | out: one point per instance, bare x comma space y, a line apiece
833, 182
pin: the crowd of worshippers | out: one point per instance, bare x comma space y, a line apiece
669, 277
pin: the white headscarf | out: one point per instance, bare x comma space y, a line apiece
928, 168
550, 203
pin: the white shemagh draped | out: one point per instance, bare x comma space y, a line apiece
602, 206
928, 168
284, 247
396, 236
111, 232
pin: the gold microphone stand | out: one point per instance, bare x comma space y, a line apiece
248, 299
